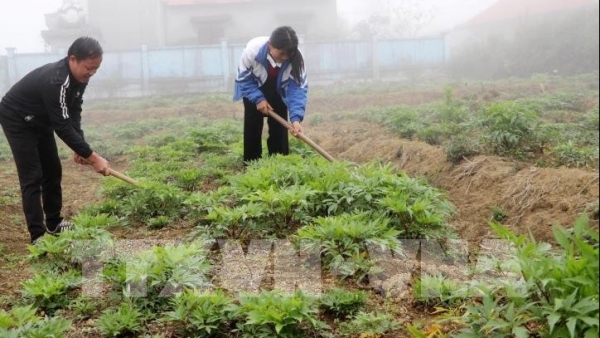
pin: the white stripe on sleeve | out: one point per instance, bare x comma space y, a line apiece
63, 94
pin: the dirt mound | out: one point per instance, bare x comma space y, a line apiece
530, 199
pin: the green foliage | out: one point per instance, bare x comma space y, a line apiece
87, 239
570, 154
558, 292
23, 322
152, 200
157, 274
591, 121
417, 212
496, 319
158, 222
50, 291
344, 241
200, 314
271, 314
369, 324
509, 129
499, 214
438, 290
404, 121
84, 307
120, 322
342, 303
459, 148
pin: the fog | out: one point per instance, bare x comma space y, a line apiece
21, 23
153, 42
23, 20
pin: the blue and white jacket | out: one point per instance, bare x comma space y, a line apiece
252, 74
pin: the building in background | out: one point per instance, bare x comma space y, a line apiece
126, 24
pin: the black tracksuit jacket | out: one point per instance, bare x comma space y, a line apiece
49, 97
45, 101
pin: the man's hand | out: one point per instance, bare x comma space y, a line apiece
264, 107
79, 160
99, 163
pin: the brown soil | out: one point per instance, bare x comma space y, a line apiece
534, 199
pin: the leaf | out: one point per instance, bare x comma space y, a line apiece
552, 320
571, 325
520, 332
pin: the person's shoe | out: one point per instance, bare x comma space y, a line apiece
36, 241
62, 227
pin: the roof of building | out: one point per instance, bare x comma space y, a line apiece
512, 9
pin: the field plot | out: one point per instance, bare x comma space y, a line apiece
451, 210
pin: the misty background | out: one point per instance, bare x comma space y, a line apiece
23, 20
158, 46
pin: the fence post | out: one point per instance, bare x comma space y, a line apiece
225, 63
375, 59
11, 66
145, 68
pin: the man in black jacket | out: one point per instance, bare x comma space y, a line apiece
46, 101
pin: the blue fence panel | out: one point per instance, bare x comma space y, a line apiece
166, 63
25, 63
407, 53
124, 65
139, 69
338, 56
210, 61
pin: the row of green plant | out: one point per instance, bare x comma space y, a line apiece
194, 176
533, 289
541, 291
345, 208
555, 130
168, 285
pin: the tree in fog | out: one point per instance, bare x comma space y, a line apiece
395, 19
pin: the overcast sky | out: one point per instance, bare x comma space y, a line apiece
21, 21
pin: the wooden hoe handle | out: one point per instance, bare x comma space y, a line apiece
123, 177
301, 136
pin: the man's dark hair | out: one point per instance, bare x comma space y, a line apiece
85, 48
285, 38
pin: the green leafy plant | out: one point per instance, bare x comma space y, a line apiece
499, 214
271, 314
344, 241
50, 291
557, 294
23, 322
437, 290
509, 129
120, 322
369, 324
153, 276
200, 314
461, 147
84, 307
570, 154
343, 303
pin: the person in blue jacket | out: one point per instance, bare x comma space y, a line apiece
46, 101
271, 77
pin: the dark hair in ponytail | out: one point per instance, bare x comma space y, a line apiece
285, 38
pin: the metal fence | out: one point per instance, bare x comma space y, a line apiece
211, 68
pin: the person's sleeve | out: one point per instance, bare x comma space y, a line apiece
297, 96
66, 118
245, 81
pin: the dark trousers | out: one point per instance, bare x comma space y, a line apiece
40, 174
277, 141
